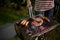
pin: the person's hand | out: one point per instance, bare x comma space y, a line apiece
24, 22
29, 3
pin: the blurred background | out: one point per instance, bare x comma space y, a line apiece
13, 10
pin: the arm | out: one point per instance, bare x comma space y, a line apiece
28, 3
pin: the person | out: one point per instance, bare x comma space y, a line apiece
43, 7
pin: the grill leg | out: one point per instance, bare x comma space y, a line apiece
36, 38
43, 37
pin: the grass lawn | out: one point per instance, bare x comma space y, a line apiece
14, 38
7, 16
54, 35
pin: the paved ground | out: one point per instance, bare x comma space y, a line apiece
7, 31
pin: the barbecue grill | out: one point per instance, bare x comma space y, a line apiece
20, 29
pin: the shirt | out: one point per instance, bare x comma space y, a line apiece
43, 5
